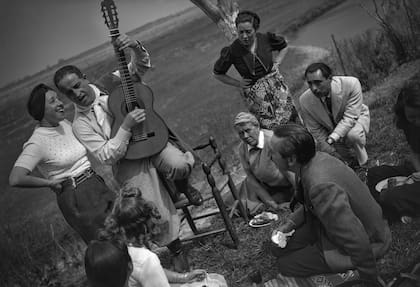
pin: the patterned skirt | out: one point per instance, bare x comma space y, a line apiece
270, 101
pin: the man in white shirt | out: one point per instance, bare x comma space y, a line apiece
92, 124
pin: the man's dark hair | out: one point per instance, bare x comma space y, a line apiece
63, 71
296, 141
325, 69
248, 16
107, 263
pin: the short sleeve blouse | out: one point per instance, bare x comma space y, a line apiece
243, 60
55, 151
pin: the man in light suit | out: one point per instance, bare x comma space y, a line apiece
333, 111
339, 225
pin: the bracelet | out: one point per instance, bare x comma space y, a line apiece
181, 278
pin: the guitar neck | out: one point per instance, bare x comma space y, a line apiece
126, 80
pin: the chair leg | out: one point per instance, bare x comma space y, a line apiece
223, 211
235, 194
190, 220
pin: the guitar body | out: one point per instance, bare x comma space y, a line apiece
150, 136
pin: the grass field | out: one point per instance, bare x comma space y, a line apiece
34, 236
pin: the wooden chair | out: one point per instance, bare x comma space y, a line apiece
215, 194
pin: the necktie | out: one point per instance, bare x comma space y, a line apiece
328, 102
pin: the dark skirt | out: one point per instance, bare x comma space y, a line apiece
86, 206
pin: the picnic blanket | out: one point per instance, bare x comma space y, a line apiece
327, 280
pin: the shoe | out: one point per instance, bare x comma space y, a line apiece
181, 201
194, 196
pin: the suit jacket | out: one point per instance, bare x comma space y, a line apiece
347, 109
343, 214
261, 167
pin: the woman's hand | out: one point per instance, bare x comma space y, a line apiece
245, 83
195, 275
55, 185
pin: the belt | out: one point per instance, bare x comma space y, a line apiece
75, 181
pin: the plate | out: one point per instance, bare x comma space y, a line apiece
384, 183
273, 217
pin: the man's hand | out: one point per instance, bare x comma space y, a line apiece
133, 118
330, 140
285, 227
245, 83
123, 41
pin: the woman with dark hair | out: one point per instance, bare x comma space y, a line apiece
82, 195
107, 264
402, 201
256, 57
136, 222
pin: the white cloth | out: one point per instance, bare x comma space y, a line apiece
260, 143
147, 270
55, 152
100, 109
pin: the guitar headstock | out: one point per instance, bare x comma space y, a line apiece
109, 12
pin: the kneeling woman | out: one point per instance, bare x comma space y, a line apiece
82, 195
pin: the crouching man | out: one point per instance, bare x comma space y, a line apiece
339, 225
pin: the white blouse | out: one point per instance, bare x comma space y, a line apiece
55, 151
147, 270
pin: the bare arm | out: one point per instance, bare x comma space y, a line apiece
22, 177
175, 277
278, 57
228, 80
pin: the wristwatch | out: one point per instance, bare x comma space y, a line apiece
330, 140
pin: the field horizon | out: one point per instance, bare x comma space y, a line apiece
182, 59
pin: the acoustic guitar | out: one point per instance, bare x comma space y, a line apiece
150, 136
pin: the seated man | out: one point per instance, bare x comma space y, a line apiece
264, 182
92, 126
402, 201
339, 226
333, 111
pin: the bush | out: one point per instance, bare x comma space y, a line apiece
374, 54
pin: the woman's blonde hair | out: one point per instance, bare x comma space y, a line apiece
133, 219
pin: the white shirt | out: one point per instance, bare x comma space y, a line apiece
260, 143
55, 151
147, 270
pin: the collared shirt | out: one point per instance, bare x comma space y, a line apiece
92, 134
257, 161
260, 143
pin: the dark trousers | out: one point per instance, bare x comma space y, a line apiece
86, 206
399, 201
302, 256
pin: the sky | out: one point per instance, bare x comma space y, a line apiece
37, 33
